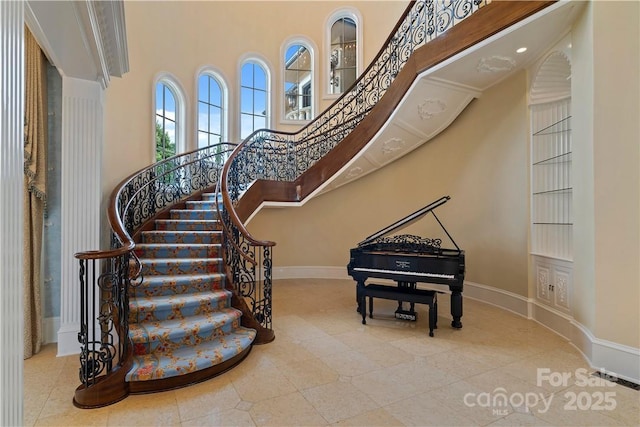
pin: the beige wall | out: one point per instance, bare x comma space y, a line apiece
616, 135
606, 100
181, 37
482, 167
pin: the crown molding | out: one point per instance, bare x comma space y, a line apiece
83, 39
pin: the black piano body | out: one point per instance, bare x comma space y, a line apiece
409, 259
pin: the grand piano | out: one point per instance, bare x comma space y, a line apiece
408, 259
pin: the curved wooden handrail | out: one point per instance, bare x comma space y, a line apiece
113, 215
487, 21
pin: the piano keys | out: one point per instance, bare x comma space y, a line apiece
409, 259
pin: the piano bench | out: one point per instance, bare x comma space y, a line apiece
405, 294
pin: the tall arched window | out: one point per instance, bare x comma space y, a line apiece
298, 76
254, 97
165, 122
212, 115
344, 33
169, 118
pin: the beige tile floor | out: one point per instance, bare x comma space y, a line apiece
327, 369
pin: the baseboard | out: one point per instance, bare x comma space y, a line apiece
68, 340
620, 360
50, 327
497, 297
310, 272
617, 359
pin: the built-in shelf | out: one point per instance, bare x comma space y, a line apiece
555, 190
560, 158
551, 183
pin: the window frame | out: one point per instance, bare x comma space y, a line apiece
353, 14
224, 93
176, 89
258, 60
312, 49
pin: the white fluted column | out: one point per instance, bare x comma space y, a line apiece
11, 187
82, 138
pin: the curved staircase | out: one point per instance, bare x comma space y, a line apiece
177, 292
180, 315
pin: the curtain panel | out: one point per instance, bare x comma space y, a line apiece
35, 195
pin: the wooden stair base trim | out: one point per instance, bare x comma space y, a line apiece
152, 386
107, 390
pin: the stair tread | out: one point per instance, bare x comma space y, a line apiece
176, 329
182, 260
177, 245
183, 277
214, 317
193, 210
185, 360
187, 220
193, 298
181, 231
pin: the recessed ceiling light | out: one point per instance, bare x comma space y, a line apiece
521, 50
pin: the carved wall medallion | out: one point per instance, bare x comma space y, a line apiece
393, 145
430, 108
354, 172
495, 64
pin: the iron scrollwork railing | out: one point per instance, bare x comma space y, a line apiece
107, 276
284, 156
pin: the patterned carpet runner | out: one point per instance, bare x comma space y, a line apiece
180, 318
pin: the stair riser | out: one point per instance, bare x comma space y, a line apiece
177, 286
168, 311
185, 225
194, 215
164, 341
171, 251
181, 237
204, 204
152, 267
211, 197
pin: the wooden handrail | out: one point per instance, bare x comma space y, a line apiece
113, 216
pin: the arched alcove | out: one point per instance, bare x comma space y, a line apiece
551, 243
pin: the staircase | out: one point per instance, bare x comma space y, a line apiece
167, 289
180, 315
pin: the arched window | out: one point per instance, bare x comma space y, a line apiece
212, 111
254, 97
298, 77
169, 118
344, 60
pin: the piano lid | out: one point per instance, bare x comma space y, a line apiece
407, 220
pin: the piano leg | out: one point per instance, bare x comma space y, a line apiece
433, 315
361, 300
435, 310
456, 309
